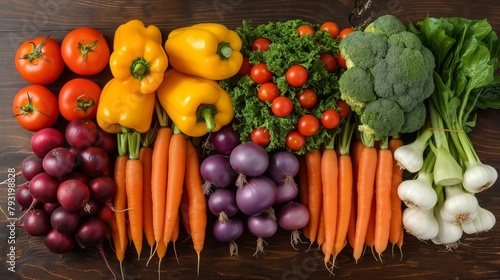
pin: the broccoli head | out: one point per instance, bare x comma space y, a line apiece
356, 88
363, 49
404, 76
381, 118
414, 119
386, 25
392, 64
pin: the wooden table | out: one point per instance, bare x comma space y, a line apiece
477, 258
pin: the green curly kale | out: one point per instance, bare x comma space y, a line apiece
286, 49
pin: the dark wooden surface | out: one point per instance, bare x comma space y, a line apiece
477, 258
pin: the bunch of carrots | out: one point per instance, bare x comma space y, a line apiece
351, 194
154, 172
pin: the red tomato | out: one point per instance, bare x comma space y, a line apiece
261, 44
35, 107
330, 118
307, 98
344, 32
282, 106
295, 140
268, 92
305, 30
329, 61
85, 51
331, 27
260, 136
245, 67
79, 98
260, 74
39, 61
308, 125
296, 75
341, 61
344, 108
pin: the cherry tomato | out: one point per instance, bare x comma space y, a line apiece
296, 75
39, 61
261, 136
268, 92
329, 61
344, 32
331, 27
245, 67
35, 107
282, 106
261, 44
308, 125
341, 61
85, 51
79, 98
344, 108
307, 98
305, 30
295, 140
330, 118
260, 74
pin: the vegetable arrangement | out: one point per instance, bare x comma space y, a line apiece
289, 125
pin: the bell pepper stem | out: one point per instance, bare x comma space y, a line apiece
224, 50
140, 68
206, 113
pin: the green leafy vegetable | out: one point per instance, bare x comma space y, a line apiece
286, 49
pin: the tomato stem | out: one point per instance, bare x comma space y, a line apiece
37, 51
207, 113
83, 104
86, 49
29, 108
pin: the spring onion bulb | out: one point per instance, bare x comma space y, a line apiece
459, 206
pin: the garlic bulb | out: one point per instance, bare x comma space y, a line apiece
418, 193
479, 177
420, 223
459, 206
484, 221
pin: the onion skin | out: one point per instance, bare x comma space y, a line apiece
249, 159
217, 171
256, 196
225, 140
228, 230
293, 216
283, 166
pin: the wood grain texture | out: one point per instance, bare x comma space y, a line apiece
477, 258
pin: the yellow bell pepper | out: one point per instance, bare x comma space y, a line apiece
208, 50
138, 59
195, 105
119, 107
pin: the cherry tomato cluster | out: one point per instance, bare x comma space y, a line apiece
41, 61
296, 76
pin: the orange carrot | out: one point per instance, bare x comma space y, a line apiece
119, 250
159, 179
345, 206
396, 210
120, 199
383, 186
370, 230
197, 211
320, 236
365, 188
329, 180
313, 165
357, 147
145, 156
175, 182
134, 202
